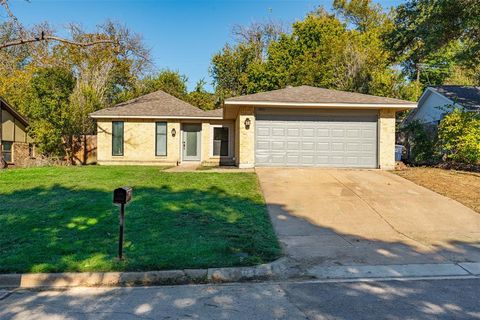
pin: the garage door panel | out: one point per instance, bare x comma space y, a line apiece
278, 132
323, 132
308, 132
336, 132
307, 159
354, 133
369, 133
332, 141
278, 145
323, 160
293, 132
323, 146
293, 158
263, 146
263, 131
293, 145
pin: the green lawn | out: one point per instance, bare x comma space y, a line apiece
62, 219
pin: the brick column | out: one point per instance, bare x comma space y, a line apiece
386, 131
246, 137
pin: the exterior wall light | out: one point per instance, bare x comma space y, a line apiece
174, 132
247, 123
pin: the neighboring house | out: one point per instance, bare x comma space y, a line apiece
295, 126
17, 148
433, 103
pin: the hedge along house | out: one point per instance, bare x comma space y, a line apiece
296, 126
16, 146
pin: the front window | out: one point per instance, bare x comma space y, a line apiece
117, 138
220, 141
161, 139
7, 151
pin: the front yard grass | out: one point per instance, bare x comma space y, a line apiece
461, 186
59, 219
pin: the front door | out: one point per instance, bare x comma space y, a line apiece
191, 142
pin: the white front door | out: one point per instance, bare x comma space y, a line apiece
191, 141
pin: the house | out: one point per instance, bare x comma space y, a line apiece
17, 148
433, 102
294, 126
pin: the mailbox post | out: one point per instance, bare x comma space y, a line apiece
121, 196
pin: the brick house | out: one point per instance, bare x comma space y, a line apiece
16, 146
295, 126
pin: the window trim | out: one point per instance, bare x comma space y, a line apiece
11, 151
123, 139
166, 139
230, 139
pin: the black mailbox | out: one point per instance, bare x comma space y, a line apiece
122, 195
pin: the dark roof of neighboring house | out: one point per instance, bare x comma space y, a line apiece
314, 95
156, 104
467, 96
15, 113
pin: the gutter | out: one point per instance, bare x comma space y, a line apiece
324, 105
151, 117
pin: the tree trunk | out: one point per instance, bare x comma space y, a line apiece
3, 164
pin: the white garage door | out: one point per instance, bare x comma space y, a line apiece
344, 138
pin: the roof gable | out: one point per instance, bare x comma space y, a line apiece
466, 96
13, 112
314, 95
158, 104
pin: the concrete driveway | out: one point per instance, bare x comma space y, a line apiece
366, 217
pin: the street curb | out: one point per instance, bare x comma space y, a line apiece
276, 270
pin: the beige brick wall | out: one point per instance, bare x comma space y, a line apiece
139, 143
207, 143
386, 129
245, 137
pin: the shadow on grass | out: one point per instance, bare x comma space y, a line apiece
64, 229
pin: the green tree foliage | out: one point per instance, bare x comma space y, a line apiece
48, 109
420, 142
202, 99
174, 83
233, 69
341, 50
99, 73
426, 30
230, 69
459, 136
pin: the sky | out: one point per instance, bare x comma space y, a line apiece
182, 35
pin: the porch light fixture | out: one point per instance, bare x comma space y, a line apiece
247, 123
174, 132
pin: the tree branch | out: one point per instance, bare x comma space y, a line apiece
12, 17
24, 38
54, 38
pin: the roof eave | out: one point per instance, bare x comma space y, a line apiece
399, 106
153, 117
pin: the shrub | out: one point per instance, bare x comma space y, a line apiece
420, 143
459, 136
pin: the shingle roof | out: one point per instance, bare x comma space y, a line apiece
308, 94
156, 104
467, 96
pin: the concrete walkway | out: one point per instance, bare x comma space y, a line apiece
425, 299
197, 167
366, 217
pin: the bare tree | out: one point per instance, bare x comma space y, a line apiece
25, 37
260, 34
